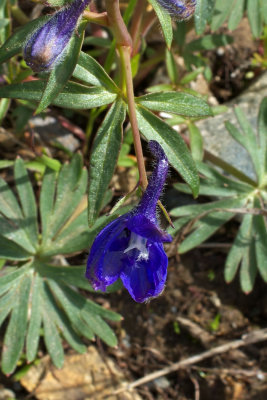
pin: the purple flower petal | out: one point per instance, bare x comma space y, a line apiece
142, 226
47, 44
104, 263
146, 278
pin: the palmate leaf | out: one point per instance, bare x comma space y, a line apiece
38, 297
214, 183
248, 251
237, 195
216, 12
18, 224
17, 326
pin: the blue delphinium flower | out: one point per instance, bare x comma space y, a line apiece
130, 247
179, 9
46, 45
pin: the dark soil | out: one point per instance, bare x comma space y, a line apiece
151, 338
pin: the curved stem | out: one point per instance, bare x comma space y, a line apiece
126, 58
124, 44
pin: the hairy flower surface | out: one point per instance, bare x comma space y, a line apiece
179, 9
47, 44
130, 247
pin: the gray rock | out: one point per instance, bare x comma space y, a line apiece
49, 129
162, 382
6, 394
218, 141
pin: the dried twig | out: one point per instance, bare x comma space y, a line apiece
247, 339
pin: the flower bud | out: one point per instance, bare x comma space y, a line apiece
46, 45
179, 9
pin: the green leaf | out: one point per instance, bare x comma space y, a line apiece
195, 210
247, 140
16, 330
213, 183
72, 309
66, 275
51, 335
11, 221
177, 103
62, 322
4, 106
88, 70
70, 189
35, 308
104, 157
27, 201
47, 200
260, 237
196, 142
204, 230
204, 9
238, 249
208, 224
74, 95
61, 73
262, 129
175, 148
172, 68
9, 279
209, 42
255, 16
236, 14
14, 44
100, 328
221, 12
6, 304
165, 22
12, 251
6, 163
248, 271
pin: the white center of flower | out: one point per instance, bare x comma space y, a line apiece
138, 242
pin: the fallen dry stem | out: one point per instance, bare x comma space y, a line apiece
247, 339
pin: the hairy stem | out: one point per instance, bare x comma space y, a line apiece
126, 58
124, 44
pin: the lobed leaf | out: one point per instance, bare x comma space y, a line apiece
238, 248
35, 311
27, 201
62, 322
255, 16
236, 14
17, 327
